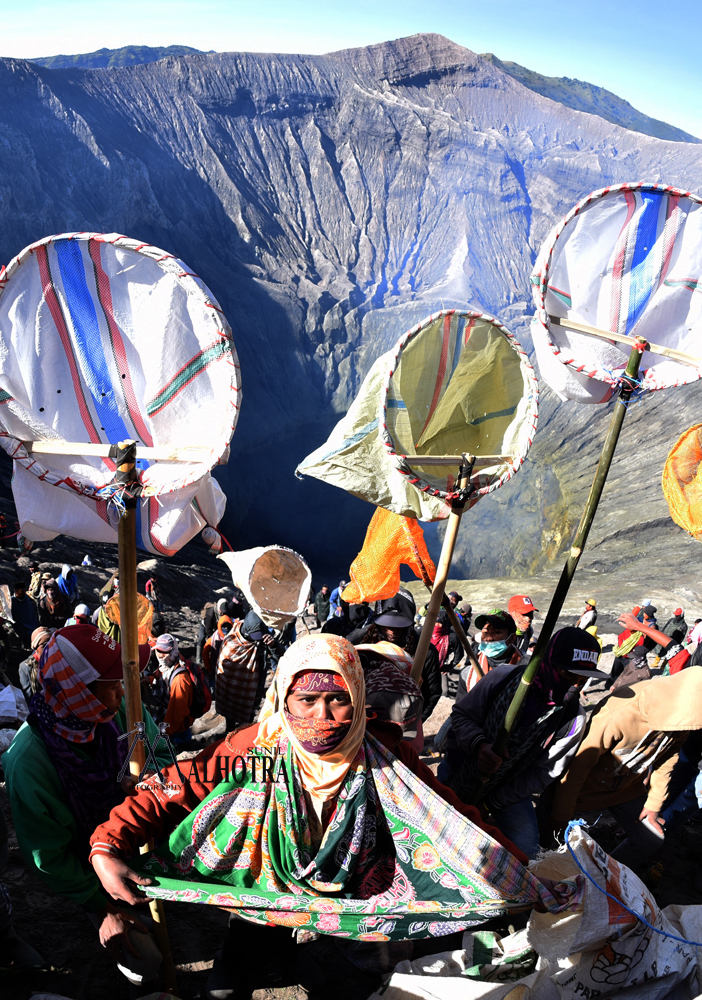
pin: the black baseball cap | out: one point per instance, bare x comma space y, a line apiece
496, 617
577, 651
393, 618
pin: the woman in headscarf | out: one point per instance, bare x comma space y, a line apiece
68, 584
211, 649
340, 828
62, 771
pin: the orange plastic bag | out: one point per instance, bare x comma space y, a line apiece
145, 615
682, 481
390, 540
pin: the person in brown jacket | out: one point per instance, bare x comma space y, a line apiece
625, 760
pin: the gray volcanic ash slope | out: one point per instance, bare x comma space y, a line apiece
330, 202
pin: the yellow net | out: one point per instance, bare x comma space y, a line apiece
390, 540
145, 615
682, 481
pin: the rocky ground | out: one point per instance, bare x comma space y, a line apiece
81, 969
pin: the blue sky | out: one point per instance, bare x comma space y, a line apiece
632, 48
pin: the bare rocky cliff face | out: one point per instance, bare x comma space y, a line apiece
330, 202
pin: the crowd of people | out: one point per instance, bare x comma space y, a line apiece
340, 692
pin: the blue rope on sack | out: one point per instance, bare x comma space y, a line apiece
581, 822
637, 395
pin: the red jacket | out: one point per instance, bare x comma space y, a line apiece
150, 813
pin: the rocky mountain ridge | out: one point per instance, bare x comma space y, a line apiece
579, 95
331, 202
128, 55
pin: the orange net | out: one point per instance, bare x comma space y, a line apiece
145, 615
682, 481
390, 540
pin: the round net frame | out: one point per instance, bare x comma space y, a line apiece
106, 339
459, 383
583, 354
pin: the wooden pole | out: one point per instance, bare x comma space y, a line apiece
620, 338
463, 638
442, 572
129, 640
561, 592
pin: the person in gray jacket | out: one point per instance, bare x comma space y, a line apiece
544, 739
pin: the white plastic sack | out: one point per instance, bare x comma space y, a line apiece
596, 950
626, 259
104, 339
274, 580
13, 704
456, 382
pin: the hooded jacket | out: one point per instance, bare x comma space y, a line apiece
633, 735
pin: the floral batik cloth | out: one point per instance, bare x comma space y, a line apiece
396, 860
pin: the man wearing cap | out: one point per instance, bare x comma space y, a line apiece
35, 581
589, 616
543, 740
495, 646
179, 684
62, 780
81, 615
522, 609
675, 627
627, 755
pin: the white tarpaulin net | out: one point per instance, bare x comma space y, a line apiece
274, 580
104, 339
626, 260
457, 382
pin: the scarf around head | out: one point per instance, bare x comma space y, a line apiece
322, 774
318, 735
64, 703
66, 712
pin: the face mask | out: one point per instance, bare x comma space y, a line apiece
493, 648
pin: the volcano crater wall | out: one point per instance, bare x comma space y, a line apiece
330, 202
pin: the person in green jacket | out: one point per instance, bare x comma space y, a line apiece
62, 773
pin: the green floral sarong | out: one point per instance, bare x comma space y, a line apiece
396, 860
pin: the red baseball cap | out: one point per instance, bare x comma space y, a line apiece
93, 655
521, 604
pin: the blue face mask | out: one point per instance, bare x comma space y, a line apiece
494, 648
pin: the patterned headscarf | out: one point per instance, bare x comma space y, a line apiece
318, 735
65, 704
66, 711
322, 774
166, 647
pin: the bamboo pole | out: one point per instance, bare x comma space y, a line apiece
477, 460
442, 572
159, 453
463, 638
129, 640
588, 516
620, 338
